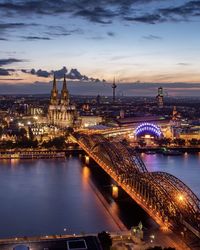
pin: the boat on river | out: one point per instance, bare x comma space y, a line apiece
150, 152
43, 154
172, 152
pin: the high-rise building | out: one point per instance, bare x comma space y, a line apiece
61, 112
160, 97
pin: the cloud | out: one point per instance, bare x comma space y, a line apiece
55, 31
42, 73
110, 33
34, 38
9, 61
176, 14
148, 18
4, 26
98, 38
39, 73
191, 8
11, 79
73, 74
183, 64
152, 37
60, 73
9, 26
4, 72
97, 14
103, 11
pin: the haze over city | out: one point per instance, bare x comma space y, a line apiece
143, 44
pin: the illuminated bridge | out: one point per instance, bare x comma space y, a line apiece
164, 197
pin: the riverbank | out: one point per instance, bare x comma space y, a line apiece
158, 150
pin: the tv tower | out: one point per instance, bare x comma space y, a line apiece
114, 86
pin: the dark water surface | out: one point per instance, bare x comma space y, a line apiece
39, 197
46, 196
186, 167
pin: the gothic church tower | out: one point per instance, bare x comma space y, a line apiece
61, 113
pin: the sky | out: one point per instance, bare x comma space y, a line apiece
144, 44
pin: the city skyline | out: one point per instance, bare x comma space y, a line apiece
138, 42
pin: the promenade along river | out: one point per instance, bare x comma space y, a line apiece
39, 197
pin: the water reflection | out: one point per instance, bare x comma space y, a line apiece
185, 167
85, 177
40, 197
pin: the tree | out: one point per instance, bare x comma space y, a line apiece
31, 136
105, 240
125, 142
194, 142
7, 145
70, 130
26, 143
164, 141
22, 132
19, 132
58, 142
141, 143
179, 142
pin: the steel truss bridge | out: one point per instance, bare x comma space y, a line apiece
164, 197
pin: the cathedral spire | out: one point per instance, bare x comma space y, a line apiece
64, 93
64, 83
54, 93
54, 82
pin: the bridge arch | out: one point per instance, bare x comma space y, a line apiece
167, 199
147, 127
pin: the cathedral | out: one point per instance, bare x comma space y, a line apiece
61, 113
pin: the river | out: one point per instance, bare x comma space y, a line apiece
186, 167
39, 197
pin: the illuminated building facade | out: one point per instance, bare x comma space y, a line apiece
61, 113
90, 121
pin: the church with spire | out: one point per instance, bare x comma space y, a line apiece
60, 112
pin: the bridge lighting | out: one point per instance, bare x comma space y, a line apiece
152, 236
165, 228
180, 198
87, 159
115, 191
